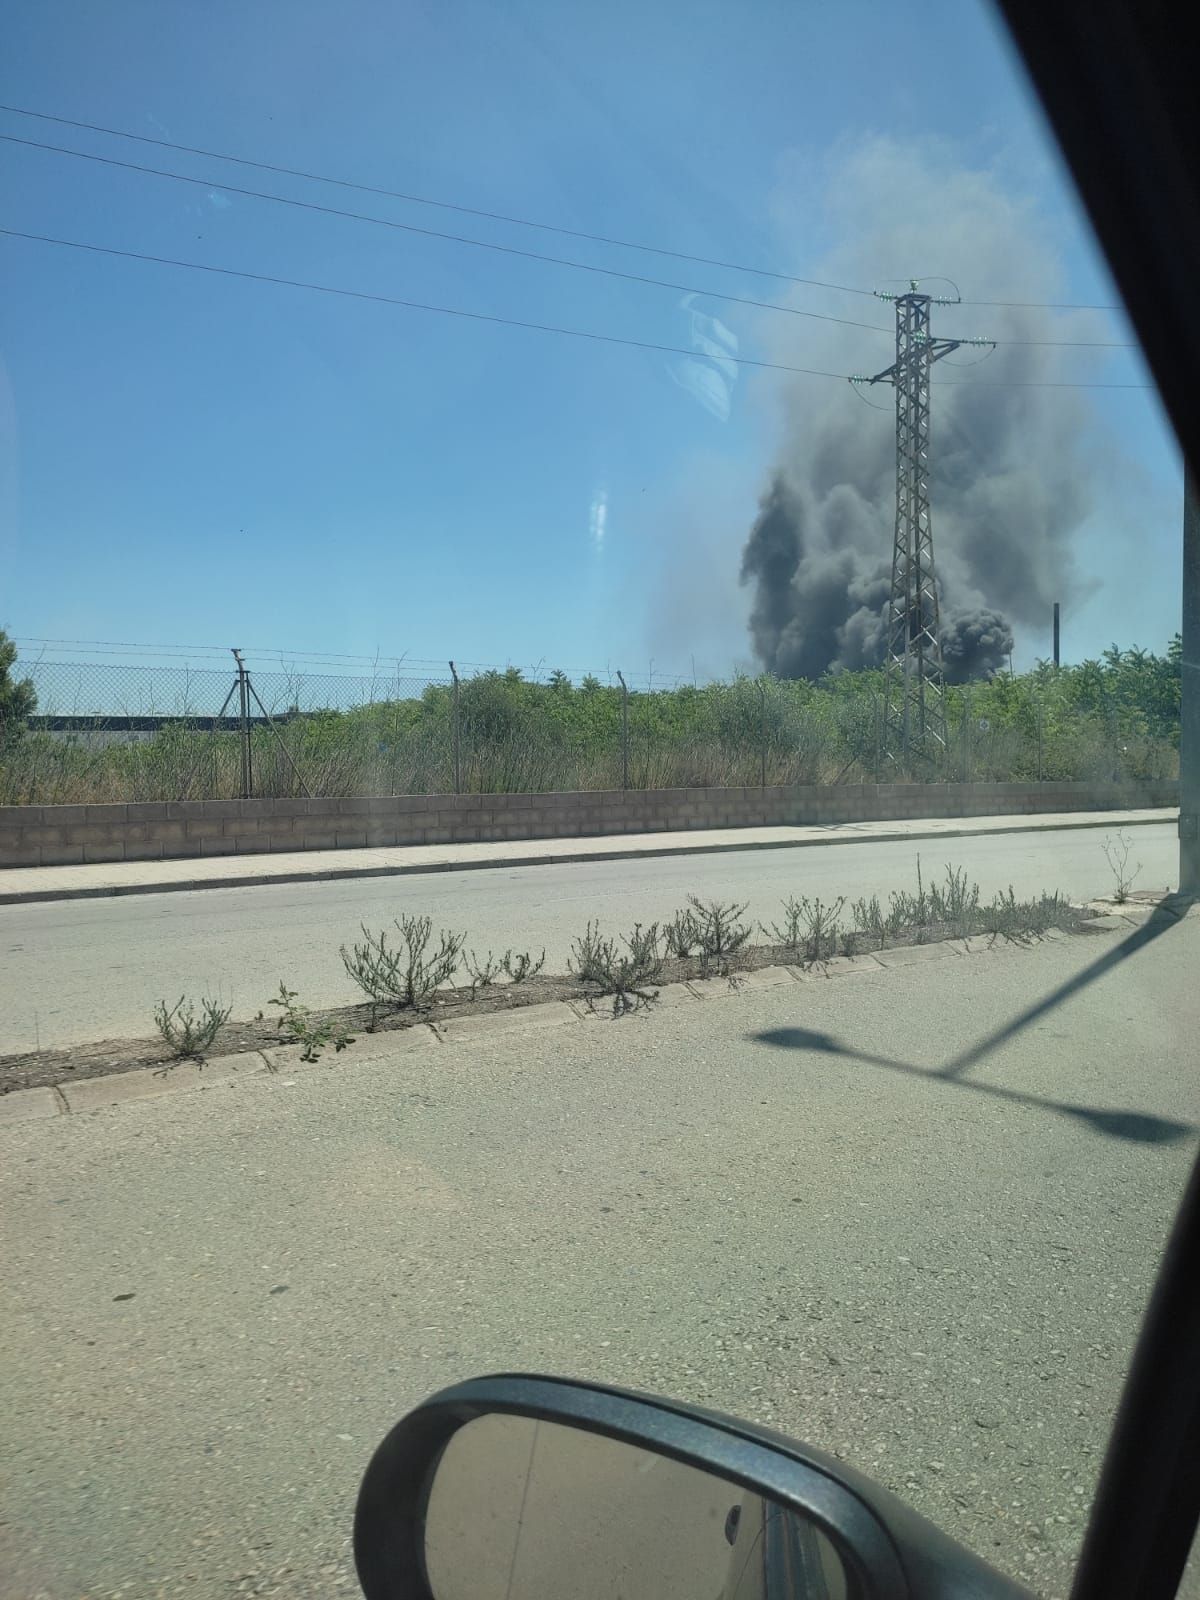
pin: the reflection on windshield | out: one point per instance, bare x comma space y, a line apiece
590, 700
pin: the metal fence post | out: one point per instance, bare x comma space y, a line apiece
395, 729
457, 746
624, 732
762, 732
244, 725
284, 751
1039, 733
877, 703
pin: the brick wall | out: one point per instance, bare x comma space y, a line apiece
52, 835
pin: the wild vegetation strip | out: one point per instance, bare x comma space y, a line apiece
1112, 719
419, 974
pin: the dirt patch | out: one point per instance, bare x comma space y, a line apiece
45, 1068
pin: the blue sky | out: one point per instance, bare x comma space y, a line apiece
195, 459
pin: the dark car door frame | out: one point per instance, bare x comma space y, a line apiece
1118, 80
1144, 1516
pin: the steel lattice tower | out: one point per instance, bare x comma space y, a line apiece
914, 711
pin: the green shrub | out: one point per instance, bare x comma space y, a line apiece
810, 928
298, 1026
183, 1031
719, 932
626, 976
404, 976
1117, 852
1023, 921
520, 965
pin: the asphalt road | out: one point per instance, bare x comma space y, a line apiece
81, 970
771, 1203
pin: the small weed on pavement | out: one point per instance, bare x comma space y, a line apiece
298, 1026
1117, 852
483, 972
681, 935
810, 929
955, 905
1023, 921
867, 917
520, 965
183, 1031
403, 976
627, 977
720, 933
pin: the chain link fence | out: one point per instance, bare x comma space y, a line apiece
80, 696
128, 731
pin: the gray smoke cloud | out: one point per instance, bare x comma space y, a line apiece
1015, 461
813, 613
974, 643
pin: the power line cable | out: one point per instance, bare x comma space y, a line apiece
443, 205
433, 233
420, 305
513, 322
521, 222
527, 255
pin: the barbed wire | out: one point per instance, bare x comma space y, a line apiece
141, 688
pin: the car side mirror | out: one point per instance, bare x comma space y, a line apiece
532, 1488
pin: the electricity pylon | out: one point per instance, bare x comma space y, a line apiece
914, 710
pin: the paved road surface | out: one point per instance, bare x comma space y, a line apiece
218, 1302
84, 970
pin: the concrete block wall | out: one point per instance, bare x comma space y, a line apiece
33, 836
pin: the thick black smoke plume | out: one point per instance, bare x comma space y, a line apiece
813, 614
975, 644
1014, 464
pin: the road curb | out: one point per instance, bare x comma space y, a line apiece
258, 880
120, 1088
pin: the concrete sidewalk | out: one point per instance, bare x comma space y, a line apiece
24, 885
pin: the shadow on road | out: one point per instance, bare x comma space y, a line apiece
1137, 1126
1166, 914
